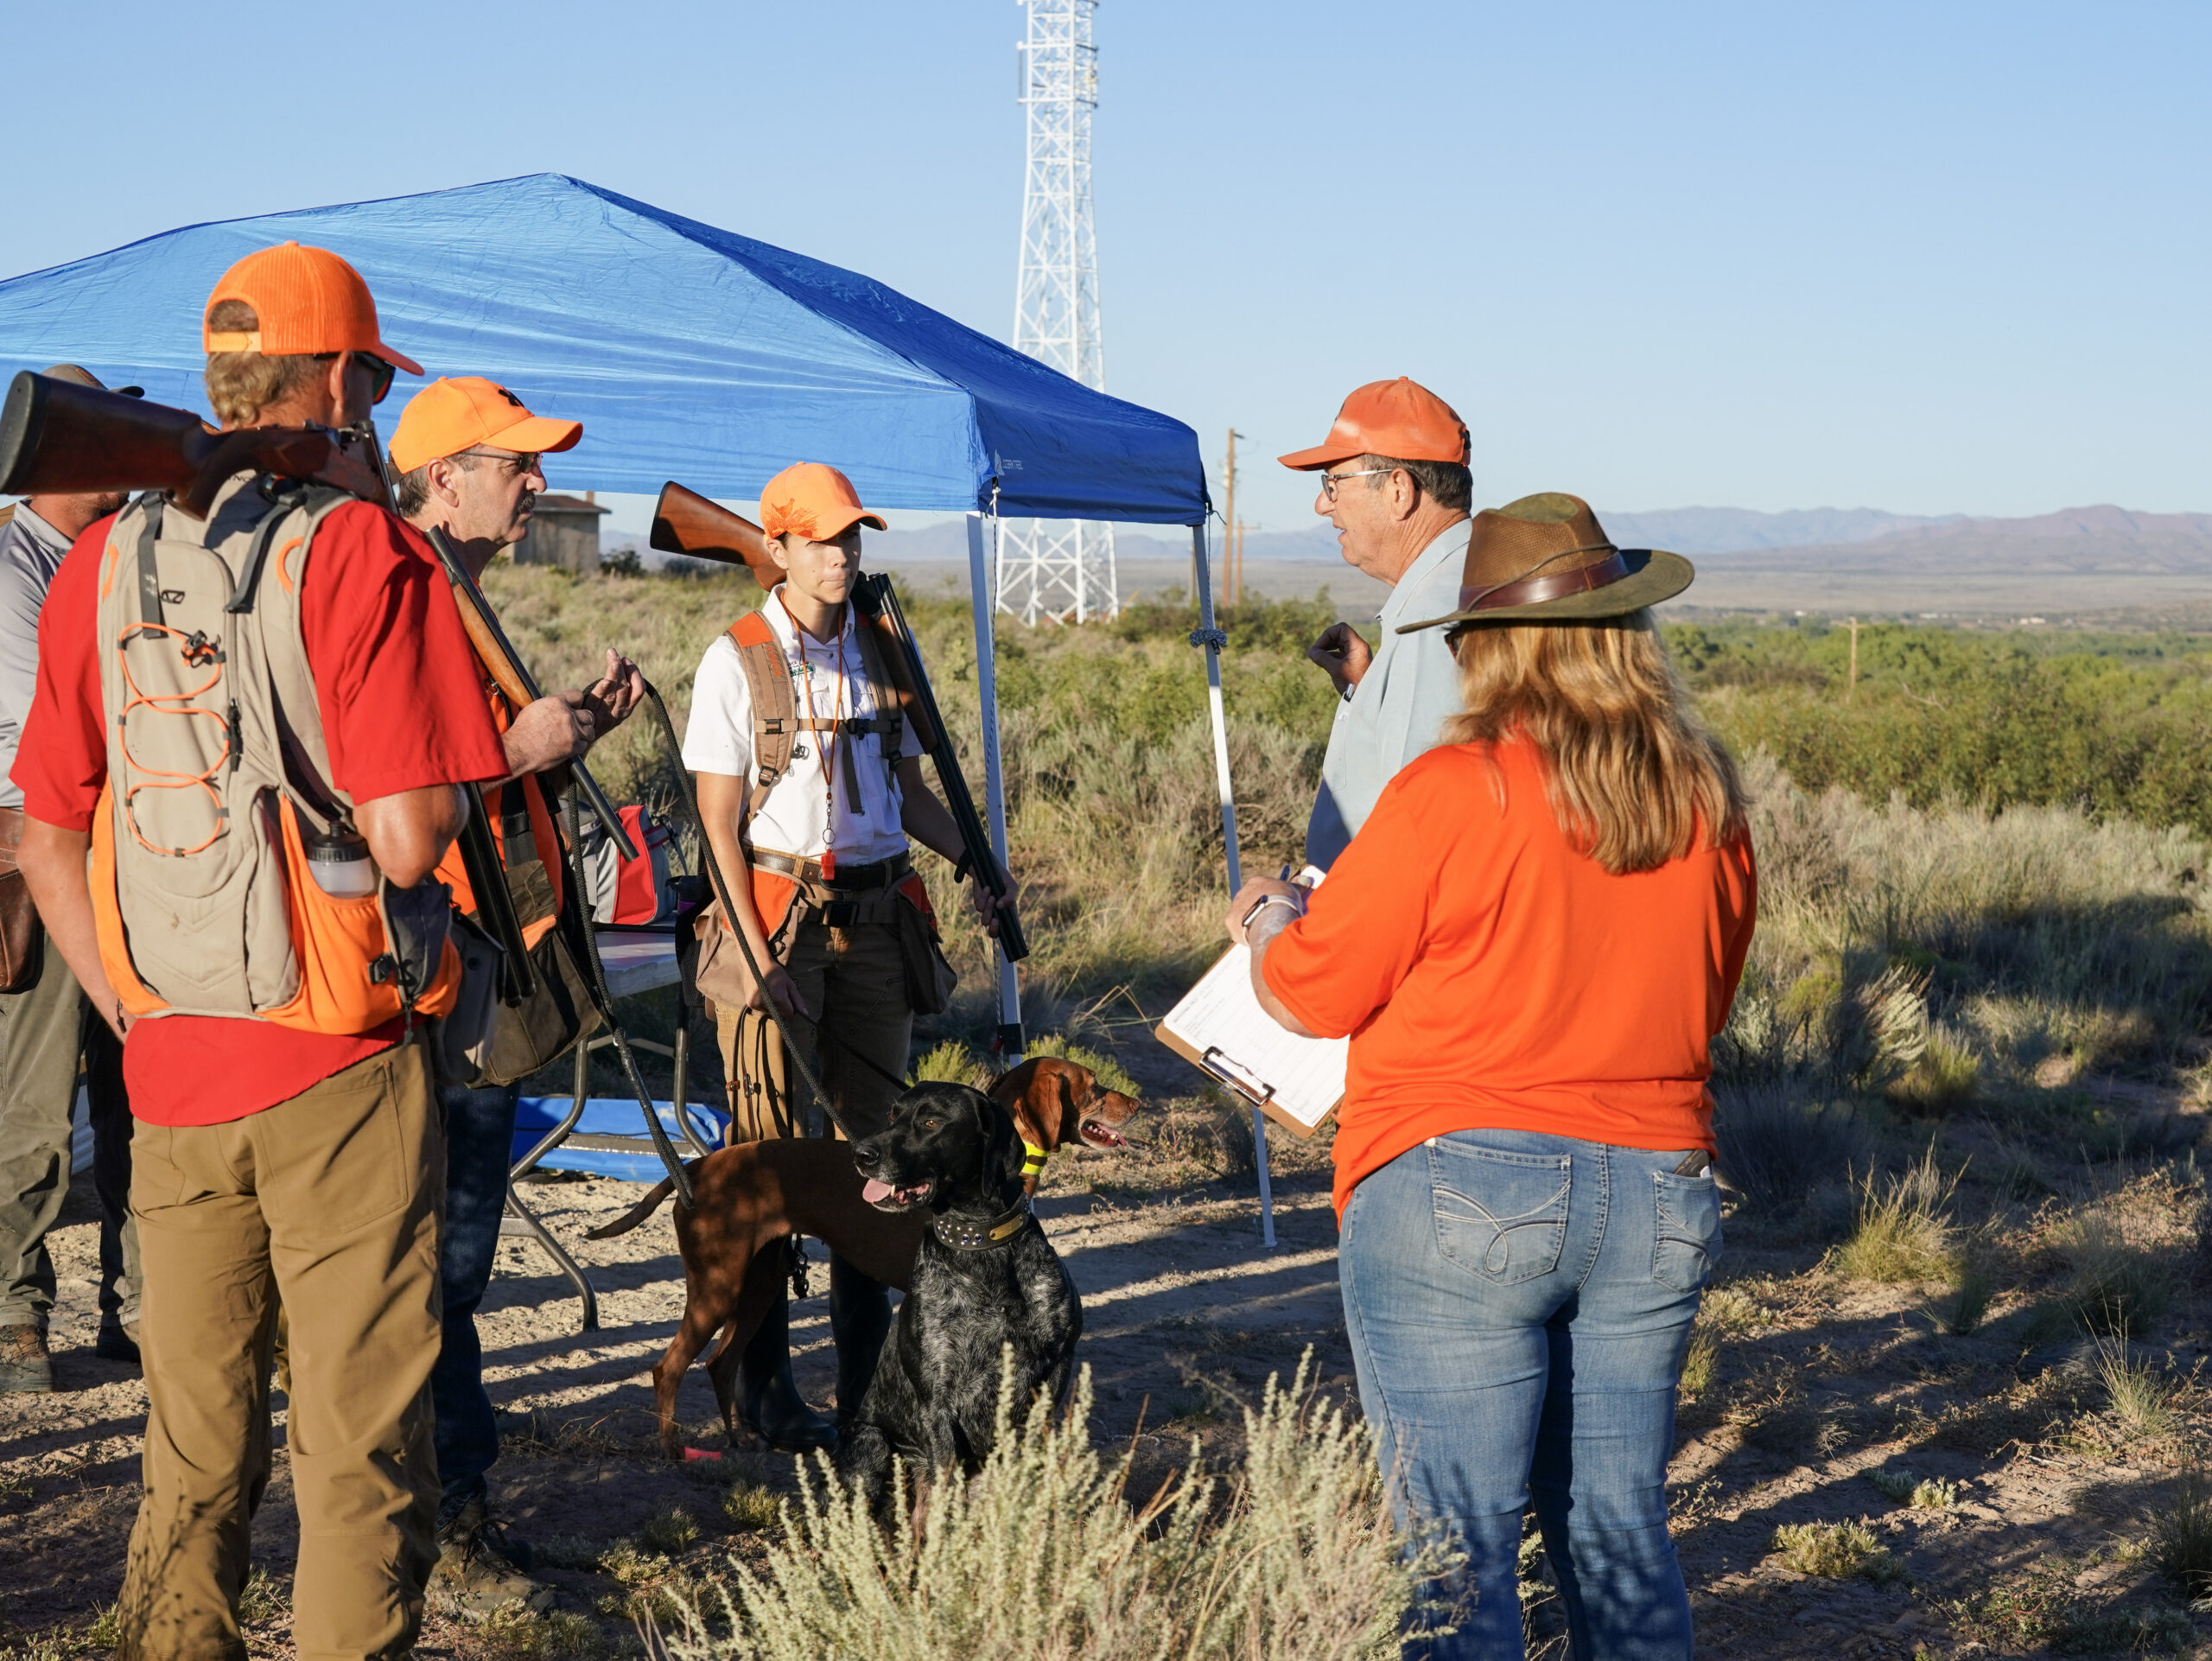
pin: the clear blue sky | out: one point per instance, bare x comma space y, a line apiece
1926, 256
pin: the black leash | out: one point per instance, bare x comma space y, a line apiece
793, 1053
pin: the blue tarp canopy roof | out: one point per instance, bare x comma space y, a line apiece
688, 353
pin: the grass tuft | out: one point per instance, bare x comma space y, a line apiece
670, 1530
751, 1506
1916, 1493
1903, 1230
1837, 1552
2180, 1537
2117, 1290
513, 1634
2138, 1394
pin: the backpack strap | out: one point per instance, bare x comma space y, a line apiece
775, 710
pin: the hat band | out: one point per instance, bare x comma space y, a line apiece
1533, 590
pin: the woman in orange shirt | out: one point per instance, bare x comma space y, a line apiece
1531, 944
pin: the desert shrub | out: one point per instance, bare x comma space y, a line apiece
2181, 1536
1903, 1228
1776, 1146
515, 1633
952, 1063
2138, 1394
1837, 1552
1916, 1493
749, 1506
2038, 1607
670, 1530
2117, 1288
1972, 1285
1040, 1554
1701, 1362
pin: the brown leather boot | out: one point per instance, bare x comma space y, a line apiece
26, 1369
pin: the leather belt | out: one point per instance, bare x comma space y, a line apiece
1533, 590
848, 879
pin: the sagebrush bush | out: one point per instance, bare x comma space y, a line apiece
1042, 1555
1776, 1146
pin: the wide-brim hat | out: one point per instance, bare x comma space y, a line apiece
1545, 559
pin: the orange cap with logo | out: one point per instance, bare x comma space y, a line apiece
308, 299
813, 500
1399, 418
450, 415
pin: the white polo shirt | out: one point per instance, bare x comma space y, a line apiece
803, 815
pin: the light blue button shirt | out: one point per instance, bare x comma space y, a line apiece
31, 551
1398, 709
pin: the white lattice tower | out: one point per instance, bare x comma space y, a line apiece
1058, 568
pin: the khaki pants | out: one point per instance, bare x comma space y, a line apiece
855, 979
329, 1202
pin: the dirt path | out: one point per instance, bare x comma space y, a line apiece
1184, 1317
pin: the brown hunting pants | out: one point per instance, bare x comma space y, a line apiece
329, 1202
855, 980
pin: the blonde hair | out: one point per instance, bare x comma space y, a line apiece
241, 384
1633, 777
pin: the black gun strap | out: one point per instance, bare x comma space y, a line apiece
793, 1053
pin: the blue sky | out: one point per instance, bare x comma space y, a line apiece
1930, 258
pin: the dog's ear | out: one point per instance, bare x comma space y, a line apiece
1003, 1150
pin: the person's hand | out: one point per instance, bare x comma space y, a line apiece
1342, 650
781, 986
990, 906
1252, 894
613, 694
556, 729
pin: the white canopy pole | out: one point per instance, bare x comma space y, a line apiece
983, 597
1213, 639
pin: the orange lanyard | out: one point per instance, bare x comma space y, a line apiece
828, 738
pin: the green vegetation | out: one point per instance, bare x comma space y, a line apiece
1837, 1552
1042, 1555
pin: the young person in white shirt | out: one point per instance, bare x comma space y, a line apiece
817, 864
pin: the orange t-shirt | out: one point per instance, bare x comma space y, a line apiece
1493, 978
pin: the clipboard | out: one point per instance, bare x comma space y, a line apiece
1220, 1028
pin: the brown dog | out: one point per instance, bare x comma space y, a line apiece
748, 1197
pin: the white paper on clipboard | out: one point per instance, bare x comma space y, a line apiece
1220, 1028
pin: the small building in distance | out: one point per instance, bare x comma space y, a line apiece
563, 531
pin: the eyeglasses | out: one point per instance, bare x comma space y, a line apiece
1329, 481
518, 462
380, 374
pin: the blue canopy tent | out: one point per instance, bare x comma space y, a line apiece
688, 353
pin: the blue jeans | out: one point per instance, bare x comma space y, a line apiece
480, 1147
1519, 1305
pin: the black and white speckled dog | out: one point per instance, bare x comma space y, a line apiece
985, 1277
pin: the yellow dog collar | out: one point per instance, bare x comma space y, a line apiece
1035, 1157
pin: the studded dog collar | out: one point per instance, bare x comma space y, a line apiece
982, 1237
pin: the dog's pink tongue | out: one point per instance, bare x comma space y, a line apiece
872, 1191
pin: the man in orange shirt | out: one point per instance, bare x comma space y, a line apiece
1531, 944
286, 1145
467, 454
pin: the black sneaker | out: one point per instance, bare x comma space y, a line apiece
26, 1369
480, 1570
117, 1342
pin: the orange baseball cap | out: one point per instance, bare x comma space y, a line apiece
450, 415
308, 300
813, 500
1399, 418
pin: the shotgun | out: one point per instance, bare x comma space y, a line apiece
56, 436
684, 522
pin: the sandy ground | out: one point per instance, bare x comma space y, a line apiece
1185, 1315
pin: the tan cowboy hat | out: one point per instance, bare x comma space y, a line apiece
1545, 559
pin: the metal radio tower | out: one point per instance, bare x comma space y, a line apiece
1058, 568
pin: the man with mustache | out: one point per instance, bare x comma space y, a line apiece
466, 451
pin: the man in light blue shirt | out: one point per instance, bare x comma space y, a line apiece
1396, 485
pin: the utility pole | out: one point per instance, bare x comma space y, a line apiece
1059, 569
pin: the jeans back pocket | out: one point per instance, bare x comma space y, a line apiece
1689, 1230
1502, 1215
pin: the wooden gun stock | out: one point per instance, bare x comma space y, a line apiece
56, 436
684, 522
